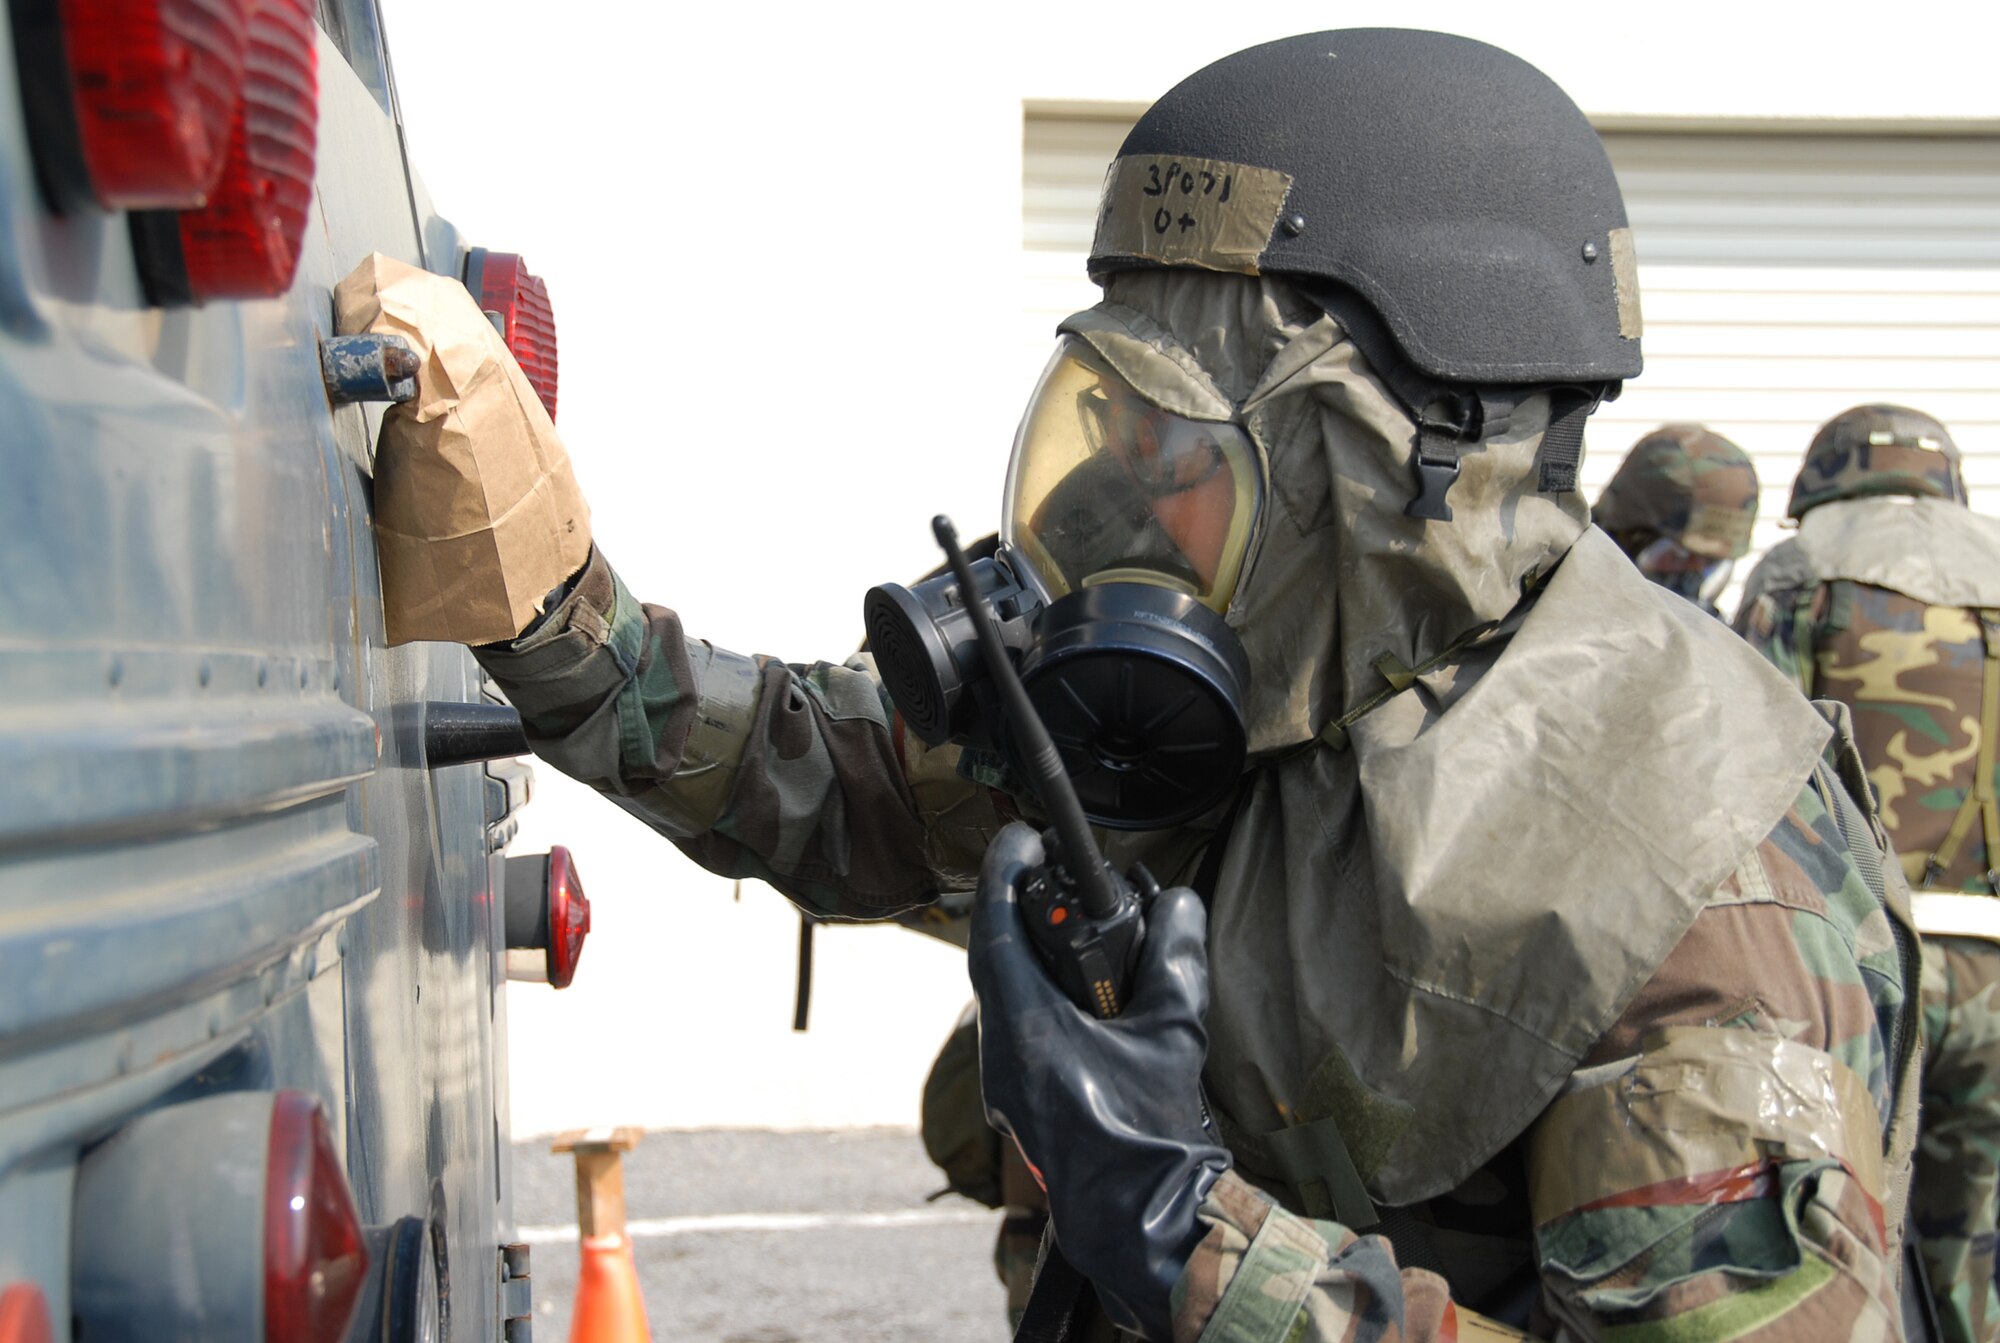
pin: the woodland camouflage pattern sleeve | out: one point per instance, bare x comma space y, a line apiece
800, 776
1779, 625
1714, 1170
1957, 1179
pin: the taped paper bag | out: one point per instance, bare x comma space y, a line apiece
477, 514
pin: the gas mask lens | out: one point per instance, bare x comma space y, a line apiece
1699, 578
1106, 487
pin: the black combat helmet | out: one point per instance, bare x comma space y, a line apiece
1450, 185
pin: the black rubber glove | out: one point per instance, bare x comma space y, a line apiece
1107, 1112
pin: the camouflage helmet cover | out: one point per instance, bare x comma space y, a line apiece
1687, 483
1878, 450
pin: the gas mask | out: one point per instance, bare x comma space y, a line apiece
1699, 578
1125, 532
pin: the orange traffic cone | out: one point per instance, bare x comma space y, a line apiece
609, 1307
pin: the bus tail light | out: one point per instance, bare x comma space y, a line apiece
246, 1189
24, 1315
547, 917
129, 102
244, 241
314, 1262
504, 285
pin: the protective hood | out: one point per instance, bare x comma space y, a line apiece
1419, 932
1936, 551
1339, 577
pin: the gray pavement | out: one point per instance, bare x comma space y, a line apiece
748, 1236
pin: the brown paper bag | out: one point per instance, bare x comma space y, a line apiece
477, 514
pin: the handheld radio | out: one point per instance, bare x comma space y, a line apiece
1084, 918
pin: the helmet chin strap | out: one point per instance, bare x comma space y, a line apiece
1562, 442
1454, 418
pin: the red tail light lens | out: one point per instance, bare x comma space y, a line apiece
569, 917
129, 102
24, 1315
244, 242
546, 917
502, 283
314, 1261
157, 83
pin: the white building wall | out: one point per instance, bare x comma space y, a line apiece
783, 242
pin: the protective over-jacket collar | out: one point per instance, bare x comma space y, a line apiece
1421, 933
1935, 551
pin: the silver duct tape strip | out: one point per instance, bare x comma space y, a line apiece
1189, 212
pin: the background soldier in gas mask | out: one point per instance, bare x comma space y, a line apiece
1888, 600
1681, 507
1544, 955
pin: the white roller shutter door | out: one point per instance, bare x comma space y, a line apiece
1784, 277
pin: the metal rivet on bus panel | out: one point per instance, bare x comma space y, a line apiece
1293, 225
1589, 253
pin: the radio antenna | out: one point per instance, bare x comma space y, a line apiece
1096, 888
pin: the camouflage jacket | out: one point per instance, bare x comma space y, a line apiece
1892, 606
1674, 1190
1903, 637
1715, 1168
796, 776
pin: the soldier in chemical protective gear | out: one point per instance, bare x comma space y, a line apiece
1681, 507
1888, 600
1499, 973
